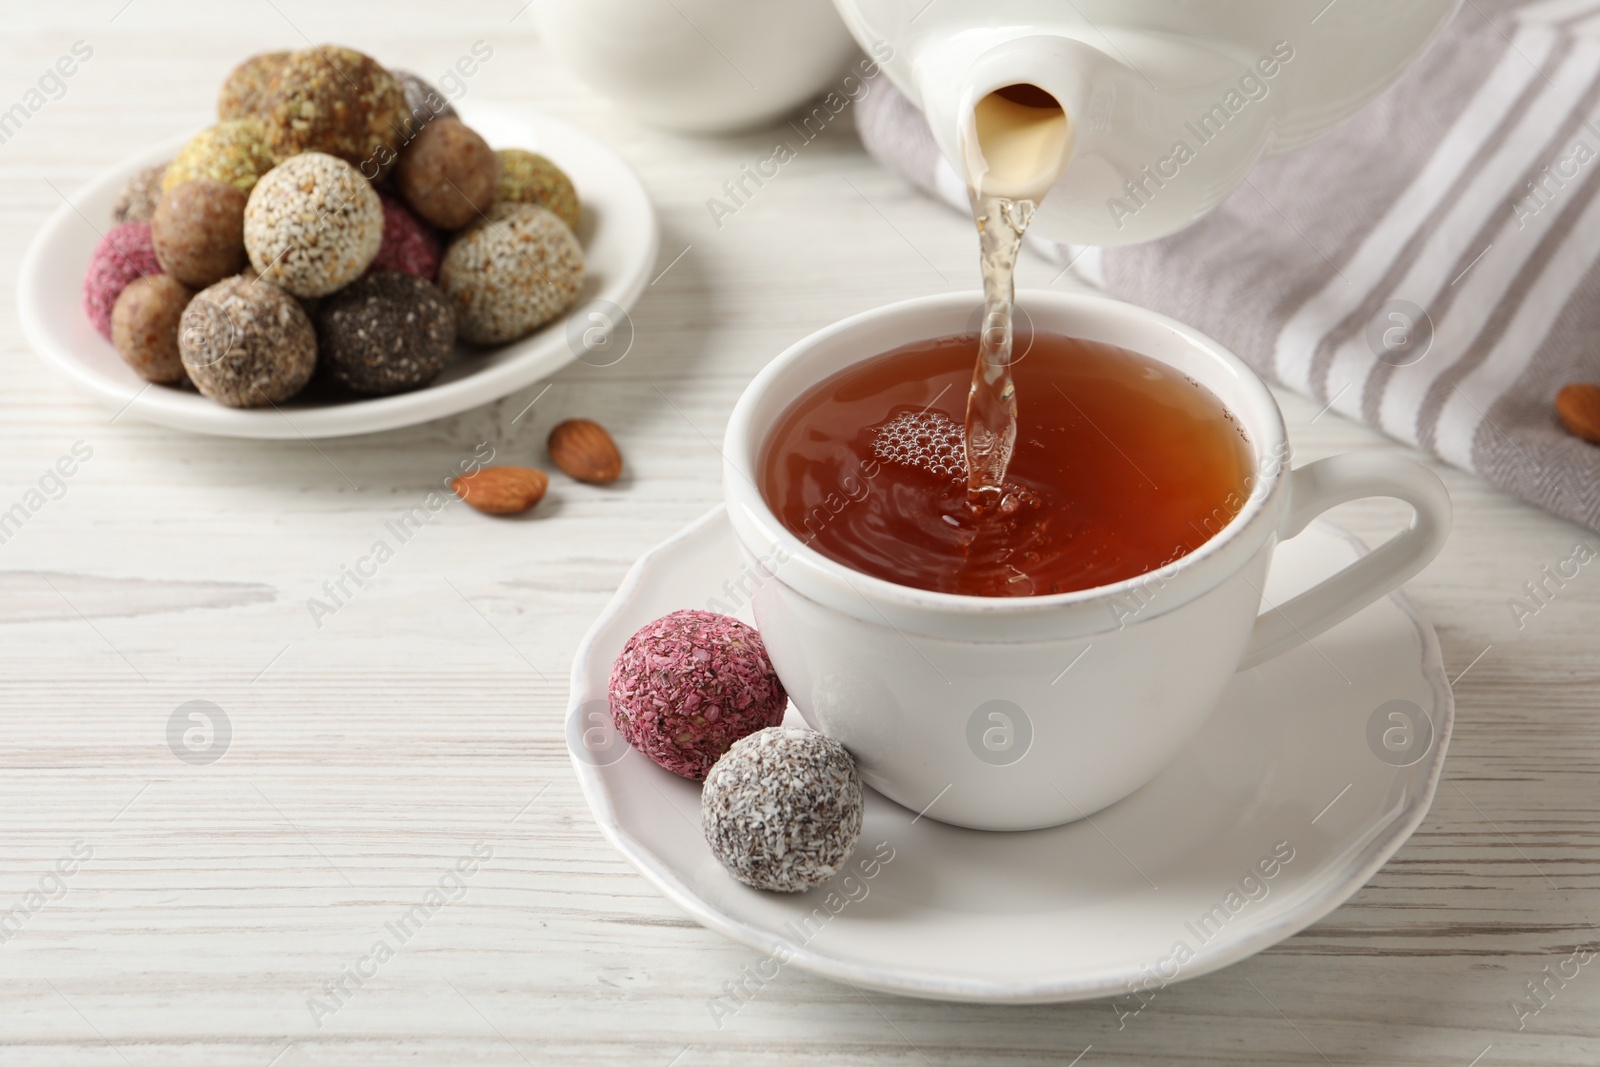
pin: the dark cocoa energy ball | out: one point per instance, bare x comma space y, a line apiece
341, 102
246, 90
198, 231
424, 100
247, 343
385, 333
448, 174
144, 326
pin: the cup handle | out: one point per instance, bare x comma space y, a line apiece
1315, 488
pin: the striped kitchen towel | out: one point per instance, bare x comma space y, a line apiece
1429, 268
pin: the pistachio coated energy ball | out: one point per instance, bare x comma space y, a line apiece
510, 273
198, 231
313, 224
246, 343
448, 174
340, 102
529, 178
235, 152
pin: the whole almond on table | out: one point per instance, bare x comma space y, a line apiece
583, 450
502, 490
1578, 405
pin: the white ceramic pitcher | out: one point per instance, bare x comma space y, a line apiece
1170, 102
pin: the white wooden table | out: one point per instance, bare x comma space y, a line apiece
210, 903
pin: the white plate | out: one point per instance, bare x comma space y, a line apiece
1091, 909
618, 232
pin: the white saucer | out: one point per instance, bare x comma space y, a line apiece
618, 232
1305, 751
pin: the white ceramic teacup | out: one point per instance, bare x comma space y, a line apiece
1018, 713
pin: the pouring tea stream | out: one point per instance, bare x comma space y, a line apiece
1015, 145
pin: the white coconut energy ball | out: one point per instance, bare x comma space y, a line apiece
782, 808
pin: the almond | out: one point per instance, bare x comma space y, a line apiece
1578, 405
502, 490
583, 450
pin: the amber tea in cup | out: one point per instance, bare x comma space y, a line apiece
1122, 464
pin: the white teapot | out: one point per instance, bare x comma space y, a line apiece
1168, 103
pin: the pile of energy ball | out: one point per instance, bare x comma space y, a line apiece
781, 807
339, 220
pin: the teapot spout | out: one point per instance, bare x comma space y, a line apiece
1006, 115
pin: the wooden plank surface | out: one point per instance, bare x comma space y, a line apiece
209, 904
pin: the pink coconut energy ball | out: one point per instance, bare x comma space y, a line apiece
689, 685
410, 245
123, 254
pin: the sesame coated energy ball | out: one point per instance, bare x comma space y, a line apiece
123, 254
510, 273
245, 91
144, 326
313, 224
138, 199
409, 244
529, 178
337, 101
385, 333
246, 343
198, 231
235, 152
448, 174
689, 685
782, 810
